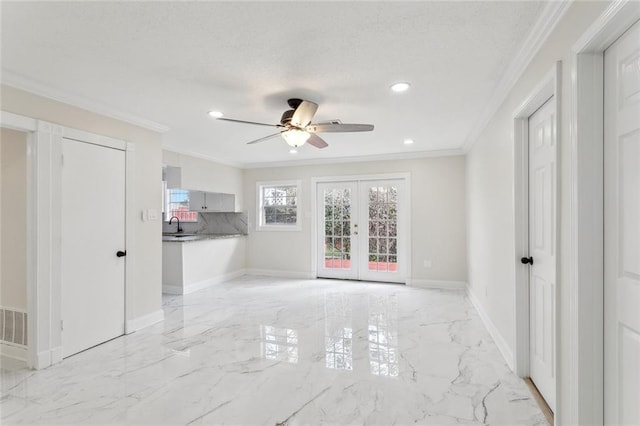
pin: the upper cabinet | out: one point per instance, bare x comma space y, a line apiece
201, 201
173, 176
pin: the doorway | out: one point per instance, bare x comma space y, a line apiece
361, 230
92, 244
541, 259
536, 237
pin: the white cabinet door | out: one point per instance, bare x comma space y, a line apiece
197, 201
228, 203
622, 230
93, 231
542, 248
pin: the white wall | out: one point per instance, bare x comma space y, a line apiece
204, 175
13, 219
147, 285
490, 178
437, 215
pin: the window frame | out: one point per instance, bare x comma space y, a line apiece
260, 225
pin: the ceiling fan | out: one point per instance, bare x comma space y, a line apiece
297, 129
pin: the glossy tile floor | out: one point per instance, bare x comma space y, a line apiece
276, 352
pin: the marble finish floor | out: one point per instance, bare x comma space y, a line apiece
264, 351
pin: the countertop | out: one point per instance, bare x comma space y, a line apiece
187, 238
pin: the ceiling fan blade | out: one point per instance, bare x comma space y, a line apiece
320, 128
317, 141
249, 122
304, 114
266, 138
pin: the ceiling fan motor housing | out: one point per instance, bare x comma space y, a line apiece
286, 117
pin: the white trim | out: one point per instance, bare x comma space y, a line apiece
549, 87
86, 137
20, 82
17, 122
359, 159
139, 323
190, 288
439, 284
499, 340
13, 351
585, 363
543, 27
297, 227
303, 275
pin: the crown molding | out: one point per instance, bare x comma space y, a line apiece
542, 28
359, 159
17, 81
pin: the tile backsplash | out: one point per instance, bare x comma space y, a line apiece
213, 223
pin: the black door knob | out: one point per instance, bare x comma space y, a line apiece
526, 260
121, 253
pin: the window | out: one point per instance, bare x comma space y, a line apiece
177, 204
278, 206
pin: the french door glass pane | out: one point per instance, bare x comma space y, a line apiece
337, 228
383, 224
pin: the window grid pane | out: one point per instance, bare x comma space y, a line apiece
383, 224
279, 205
337, 228
177, 204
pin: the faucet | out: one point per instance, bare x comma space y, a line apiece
178, 219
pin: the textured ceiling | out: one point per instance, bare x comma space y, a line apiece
171, 62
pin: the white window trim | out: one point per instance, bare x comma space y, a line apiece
297, 227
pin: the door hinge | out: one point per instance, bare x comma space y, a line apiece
61, 325
61, 160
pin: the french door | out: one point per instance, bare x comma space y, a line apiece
362, 230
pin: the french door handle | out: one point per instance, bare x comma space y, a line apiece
526, 260
121, 253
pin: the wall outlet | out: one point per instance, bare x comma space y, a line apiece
144, 216
427, 263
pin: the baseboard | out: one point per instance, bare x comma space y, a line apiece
143, 321
9, 350
46, 358
502, 345
169, 289
281, 274
450, 285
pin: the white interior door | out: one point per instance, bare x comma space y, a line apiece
361, 230
542, 250
93, 231
622, 230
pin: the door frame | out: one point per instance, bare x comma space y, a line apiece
549, 87
44, 223
585, 360
405, 176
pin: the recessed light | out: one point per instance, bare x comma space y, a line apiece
293, 151
216, 114
402, 86
408, 141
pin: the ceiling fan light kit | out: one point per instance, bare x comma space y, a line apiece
296, 137
296, 127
